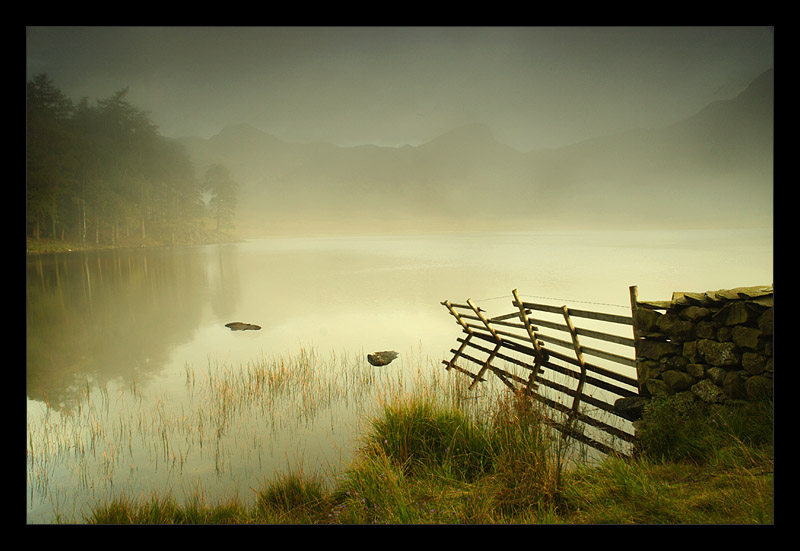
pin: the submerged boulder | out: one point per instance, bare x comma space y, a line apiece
381, 358
240, 326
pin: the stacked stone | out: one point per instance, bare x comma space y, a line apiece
717, 345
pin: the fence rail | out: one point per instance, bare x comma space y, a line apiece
579, 383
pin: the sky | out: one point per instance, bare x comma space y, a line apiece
535, 87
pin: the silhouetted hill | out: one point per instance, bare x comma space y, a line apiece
741, 127
714, 167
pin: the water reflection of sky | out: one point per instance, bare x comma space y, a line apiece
142, 319
133, 314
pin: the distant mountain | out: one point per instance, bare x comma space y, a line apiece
714, 167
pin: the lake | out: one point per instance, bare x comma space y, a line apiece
135, 386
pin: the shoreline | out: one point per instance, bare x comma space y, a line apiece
50, 246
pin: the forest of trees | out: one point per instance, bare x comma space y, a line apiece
103, 175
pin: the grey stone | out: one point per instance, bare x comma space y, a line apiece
754, 363
646, 369
725, 334
690, 352
678, 380
694, 313
716, 375
655, 350
379, 359
708, 392
746, 337
734, 386
677, 363
754, 291
765, 322
734, 313
646, 320
630, 407
697, 371
718, 353
653, 304
706, 330
714, 346
241, 326
676, 328
765, 302
683, 299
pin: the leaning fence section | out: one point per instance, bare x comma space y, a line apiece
576, 362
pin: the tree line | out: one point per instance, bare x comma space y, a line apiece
102, 174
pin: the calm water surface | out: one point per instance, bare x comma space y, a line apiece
124, 348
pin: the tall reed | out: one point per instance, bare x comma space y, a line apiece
228, 417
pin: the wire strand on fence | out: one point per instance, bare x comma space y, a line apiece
556, 299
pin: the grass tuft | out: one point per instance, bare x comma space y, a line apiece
424, 458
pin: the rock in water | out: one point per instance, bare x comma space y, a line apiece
239, 326
381, 358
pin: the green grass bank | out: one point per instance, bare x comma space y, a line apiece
425, 462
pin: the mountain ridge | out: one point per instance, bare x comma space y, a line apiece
722, 153
761, 85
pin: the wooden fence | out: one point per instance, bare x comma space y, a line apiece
574, 361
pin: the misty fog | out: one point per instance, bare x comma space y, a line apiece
713, 169
332, 185
406, 129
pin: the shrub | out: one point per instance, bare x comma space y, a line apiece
419, 434
678, 427
292, 492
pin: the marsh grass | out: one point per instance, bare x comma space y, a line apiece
292, 497
523, 474
427, 451
521, 477
426, 462
416, 433
695, 464
165, 510
679, 428
644, 492
224, 420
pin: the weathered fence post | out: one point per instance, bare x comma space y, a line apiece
634, 295
537, 361
466, 328
511, 338
579, 355
494, 334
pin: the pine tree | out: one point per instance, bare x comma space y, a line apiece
223, 189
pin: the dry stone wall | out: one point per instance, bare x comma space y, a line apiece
717, 345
